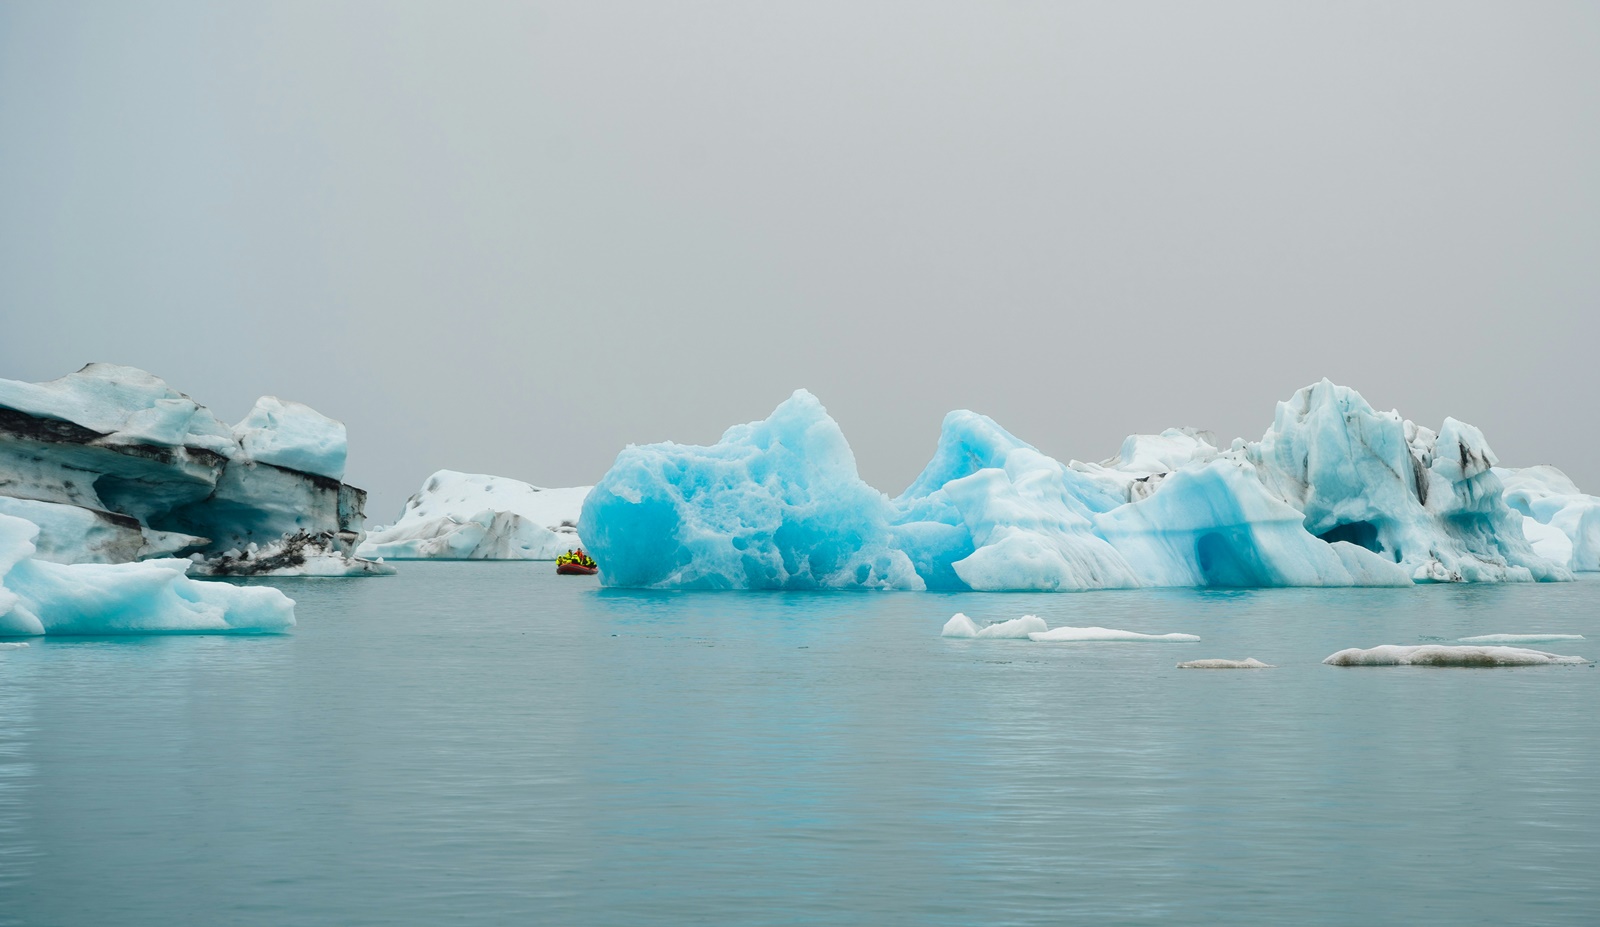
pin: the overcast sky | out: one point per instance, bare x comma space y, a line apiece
512, 238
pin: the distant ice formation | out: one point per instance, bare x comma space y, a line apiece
472, 516
1562, 523
1520, 638
961, 626
1334, 494
113, 465
1107, 635
41, 597
1445, 655
1247, 663
12, 646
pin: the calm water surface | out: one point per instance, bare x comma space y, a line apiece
490, 744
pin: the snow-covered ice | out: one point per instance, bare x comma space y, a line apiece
1519, 638
473, 516
1445, 655
1247, 663
1334, 494
961, 626
1106, 635
40, 597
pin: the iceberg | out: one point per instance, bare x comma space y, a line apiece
153, 596
1066, 635
1444, 655
473, 516
960, 626
1334, 494
1561, 523
113, 465
1246, 663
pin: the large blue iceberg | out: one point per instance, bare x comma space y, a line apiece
1334, 494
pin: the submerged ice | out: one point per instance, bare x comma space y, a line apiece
1334, 494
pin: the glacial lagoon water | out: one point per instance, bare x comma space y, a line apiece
482, 743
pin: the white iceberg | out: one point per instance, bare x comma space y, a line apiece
1519, 638
1335, 494
1446, 655
1246, 663
155, 596
960, 626
1067, 635
473, 516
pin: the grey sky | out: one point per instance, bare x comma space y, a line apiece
512, 238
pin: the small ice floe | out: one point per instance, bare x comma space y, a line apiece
1443, 655
1246, 663
1098, 635
1519, 638
17, 646
961, 626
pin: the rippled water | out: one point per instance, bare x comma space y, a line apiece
491, 744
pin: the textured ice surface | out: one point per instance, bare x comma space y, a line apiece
1247, 663
1519, 638
1106, 635
1562, 523
1445, 655
472, 516
293, 436
39, 597
126, 404
300, 554
775, 504
960, 625
1335, 494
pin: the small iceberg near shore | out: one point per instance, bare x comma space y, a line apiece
960, 626
1107, 635
1445, 655
1246, 663
1519, 638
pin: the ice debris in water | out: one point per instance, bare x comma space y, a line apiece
12, 646
961, 626
1246, 663
1444, 655
1519, 638
40, 597
1334, 494
1099, 635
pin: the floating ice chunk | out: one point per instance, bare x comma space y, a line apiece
299, 554
1247, 663
293, 436
1097, 635
1520, 638
13, 646
1445, 655
1016, 629
39, 597
472, 516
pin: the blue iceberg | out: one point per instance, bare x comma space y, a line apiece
1334, 494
